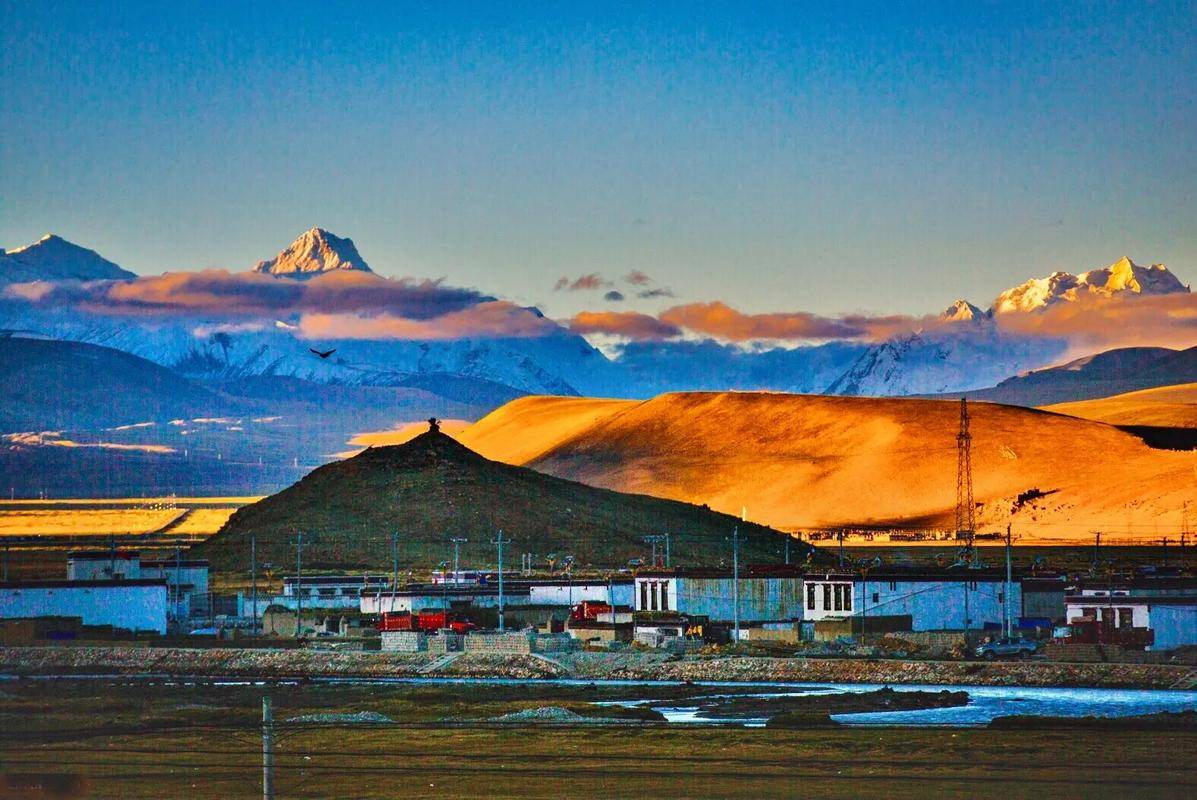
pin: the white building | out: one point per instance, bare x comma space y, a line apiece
136, 605
765, 594
1172, 619
946, 600
329, 591
101, 565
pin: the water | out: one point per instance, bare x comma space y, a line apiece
985, 702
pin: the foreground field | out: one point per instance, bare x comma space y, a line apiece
799, 462
107, 740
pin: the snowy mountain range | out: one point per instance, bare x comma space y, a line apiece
970, 351
964, 348
53, 258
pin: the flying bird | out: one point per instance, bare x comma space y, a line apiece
324, 354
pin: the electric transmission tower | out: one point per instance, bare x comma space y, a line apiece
966, 523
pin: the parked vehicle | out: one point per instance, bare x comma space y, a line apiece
1007, 647
426, 621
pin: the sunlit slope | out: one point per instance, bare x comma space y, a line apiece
800, 461
525, 429
1165, 407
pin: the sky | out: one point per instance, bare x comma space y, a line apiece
827, 158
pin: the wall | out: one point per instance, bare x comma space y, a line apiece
404, 641
553, 595
100, 569
499, 643
123, 605
1174, 626
937, 605
761, 599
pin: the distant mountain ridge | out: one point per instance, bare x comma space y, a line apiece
53, 258
1113, 372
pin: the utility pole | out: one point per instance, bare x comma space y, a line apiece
667, 551
299, 585
656, 554
253, 581
840, 534
736, 581
178, 578
457, 543
1009, 582
6, 560
499, 541
394, 571
267, 750
787, 549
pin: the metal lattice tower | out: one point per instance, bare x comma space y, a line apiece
966, 524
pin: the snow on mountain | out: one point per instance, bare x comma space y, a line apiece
53, 258
963, 311
1123, 275
943, 360
315, 251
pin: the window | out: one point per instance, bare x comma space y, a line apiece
664, 595
876, 598
810, 597
893, 586
848, 597
1125, 618
643, 595
839, 597
827, 597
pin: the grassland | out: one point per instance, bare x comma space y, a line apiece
106, 739
801, 462
122, 517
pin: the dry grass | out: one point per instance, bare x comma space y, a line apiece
85, 522
799, 462
1165, 407
203, 521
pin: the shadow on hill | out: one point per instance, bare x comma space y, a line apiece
1163, 438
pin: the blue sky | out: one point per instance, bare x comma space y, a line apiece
873, 157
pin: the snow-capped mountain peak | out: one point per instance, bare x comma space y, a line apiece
52, 258
316, 251
1123, 275
963, 311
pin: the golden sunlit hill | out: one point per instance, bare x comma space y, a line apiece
1163, 407
805, 461
432, 488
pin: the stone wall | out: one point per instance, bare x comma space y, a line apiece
500, 643
404, 642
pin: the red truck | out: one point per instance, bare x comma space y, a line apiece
589, 610
426, 621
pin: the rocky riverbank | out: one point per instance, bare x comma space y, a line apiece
628, 665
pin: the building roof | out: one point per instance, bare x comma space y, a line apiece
101, 584
172, 563
310, 580
1105, 601
103, 555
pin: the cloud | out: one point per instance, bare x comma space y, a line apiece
628, 324
614, 296
242, 294
493, 318
588, 282
721, 321
651, 294
1095, 323
638, 278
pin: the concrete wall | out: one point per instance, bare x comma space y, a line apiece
404, 641
134, 607
499, 643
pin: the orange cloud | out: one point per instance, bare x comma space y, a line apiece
630, 324
493, 318
721, 321
1100, 323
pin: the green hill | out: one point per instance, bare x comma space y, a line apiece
433, 488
